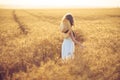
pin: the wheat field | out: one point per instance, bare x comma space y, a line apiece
30, 45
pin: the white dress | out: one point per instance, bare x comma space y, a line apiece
68, 47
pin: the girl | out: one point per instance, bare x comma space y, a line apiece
68, 45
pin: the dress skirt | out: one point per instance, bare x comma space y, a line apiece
68, 48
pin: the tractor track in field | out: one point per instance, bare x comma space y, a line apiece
44, 18
20, 24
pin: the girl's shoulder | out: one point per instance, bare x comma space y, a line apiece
66, 35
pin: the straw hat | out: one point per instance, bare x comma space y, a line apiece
65, 25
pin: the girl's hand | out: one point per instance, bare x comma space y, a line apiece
82, 46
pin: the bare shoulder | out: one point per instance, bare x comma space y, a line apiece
66, 35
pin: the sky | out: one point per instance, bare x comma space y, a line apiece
59, 3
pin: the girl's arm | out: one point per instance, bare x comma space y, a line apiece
73, 38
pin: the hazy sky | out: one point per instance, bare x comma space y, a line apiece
59, 3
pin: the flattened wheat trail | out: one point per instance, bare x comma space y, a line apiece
21, 26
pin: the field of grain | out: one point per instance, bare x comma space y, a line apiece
30, 45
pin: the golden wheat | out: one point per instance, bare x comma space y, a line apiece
30, 45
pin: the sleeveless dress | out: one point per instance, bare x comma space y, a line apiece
68, 47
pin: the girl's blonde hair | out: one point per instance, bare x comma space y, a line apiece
69, 17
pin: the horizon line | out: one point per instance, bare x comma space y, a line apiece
4, 7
